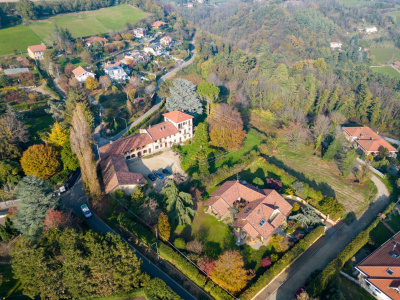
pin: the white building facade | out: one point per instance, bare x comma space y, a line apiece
116, 73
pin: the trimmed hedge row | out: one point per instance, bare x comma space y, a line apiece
282, 263
322, 281
156, 289
140, 124
173, 257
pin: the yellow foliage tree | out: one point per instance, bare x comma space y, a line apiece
58, 136
91, 83
41, 161
229, 271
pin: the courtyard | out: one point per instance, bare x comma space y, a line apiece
157, 162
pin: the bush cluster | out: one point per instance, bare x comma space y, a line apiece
282, 263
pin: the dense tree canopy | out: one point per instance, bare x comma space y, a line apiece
183, 96
41, 161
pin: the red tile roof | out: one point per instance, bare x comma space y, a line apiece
127, 144
37, 48
92, 39
116, 173
397, 63
177, 116
376, 265
158, 24
265, 205
162, 130
80, 70
369, 140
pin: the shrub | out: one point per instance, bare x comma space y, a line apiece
274, 257
195, 247
299, 187
281, 264
274, 184
266, 262
180, 243
156, 289
258, 182
296, 207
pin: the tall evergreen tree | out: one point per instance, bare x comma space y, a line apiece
183, 96
35, 197
178, 204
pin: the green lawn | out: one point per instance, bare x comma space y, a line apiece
350, 3
352, 291
37, 123
80, 24
90, 22
381, 233
17, 38
387, 71
386, 55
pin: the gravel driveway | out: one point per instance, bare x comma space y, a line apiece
164, 160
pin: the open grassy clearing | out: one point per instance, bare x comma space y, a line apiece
386, 55
37, 122
387, 71
381, 233
324, 177
17, 38
90, 22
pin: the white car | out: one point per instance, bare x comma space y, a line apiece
86, 211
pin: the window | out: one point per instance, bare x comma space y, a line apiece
389, 271
144, 151
394, 255
247, 210
262, 222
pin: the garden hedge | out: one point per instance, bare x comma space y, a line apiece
282, 263
170, 255
156, 289
322, 281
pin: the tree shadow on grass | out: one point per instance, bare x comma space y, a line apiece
325, 188
212, 249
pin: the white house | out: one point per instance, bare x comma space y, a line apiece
82, 73
155, 49
371, 29
116, 73
336, 45
166, 41
140, 32
176, 129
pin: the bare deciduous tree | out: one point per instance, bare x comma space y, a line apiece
105, 82
12, 128
321, 128
337, 118
81, 145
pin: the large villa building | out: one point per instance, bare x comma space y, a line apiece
381, 270
261, 212
176, 128
367, 140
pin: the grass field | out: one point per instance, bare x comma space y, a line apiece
90, 22
17, 38
387, 71
381, 233
351, 3
79, 24
325, 177
385, 55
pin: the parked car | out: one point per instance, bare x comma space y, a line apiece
86, 211
166, 172
152, 177
299, 291
158, 174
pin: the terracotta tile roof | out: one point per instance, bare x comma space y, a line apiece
158, 24
377, 264
397, 63
369, 140
375, 145
80, 70
92, 39
177, 116
162, 130
127, 144
37, 48
251, 230
115, 173
228, 192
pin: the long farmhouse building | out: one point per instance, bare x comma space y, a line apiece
176, 128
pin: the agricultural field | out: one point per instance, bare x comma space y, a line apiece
385, 55
80, 24
9, 42
325, 177
387, 71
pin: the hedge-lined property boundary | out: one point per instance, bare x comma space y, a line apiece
322, 281
170, 255
283, 263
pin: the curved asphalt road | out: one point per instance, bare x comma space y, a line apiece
75, 197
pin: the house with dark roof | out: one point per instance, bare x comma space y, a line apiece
176, 129
381, 270
260, 212
367, 140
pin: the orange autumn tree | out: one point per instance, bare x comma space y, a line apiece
226, 128
56, 218
41, 161
229, 271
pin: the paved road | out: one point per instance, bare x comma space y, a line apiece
76, 197
101, 140
323, 251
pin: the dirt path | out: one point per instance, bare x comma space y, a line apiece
324, 250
